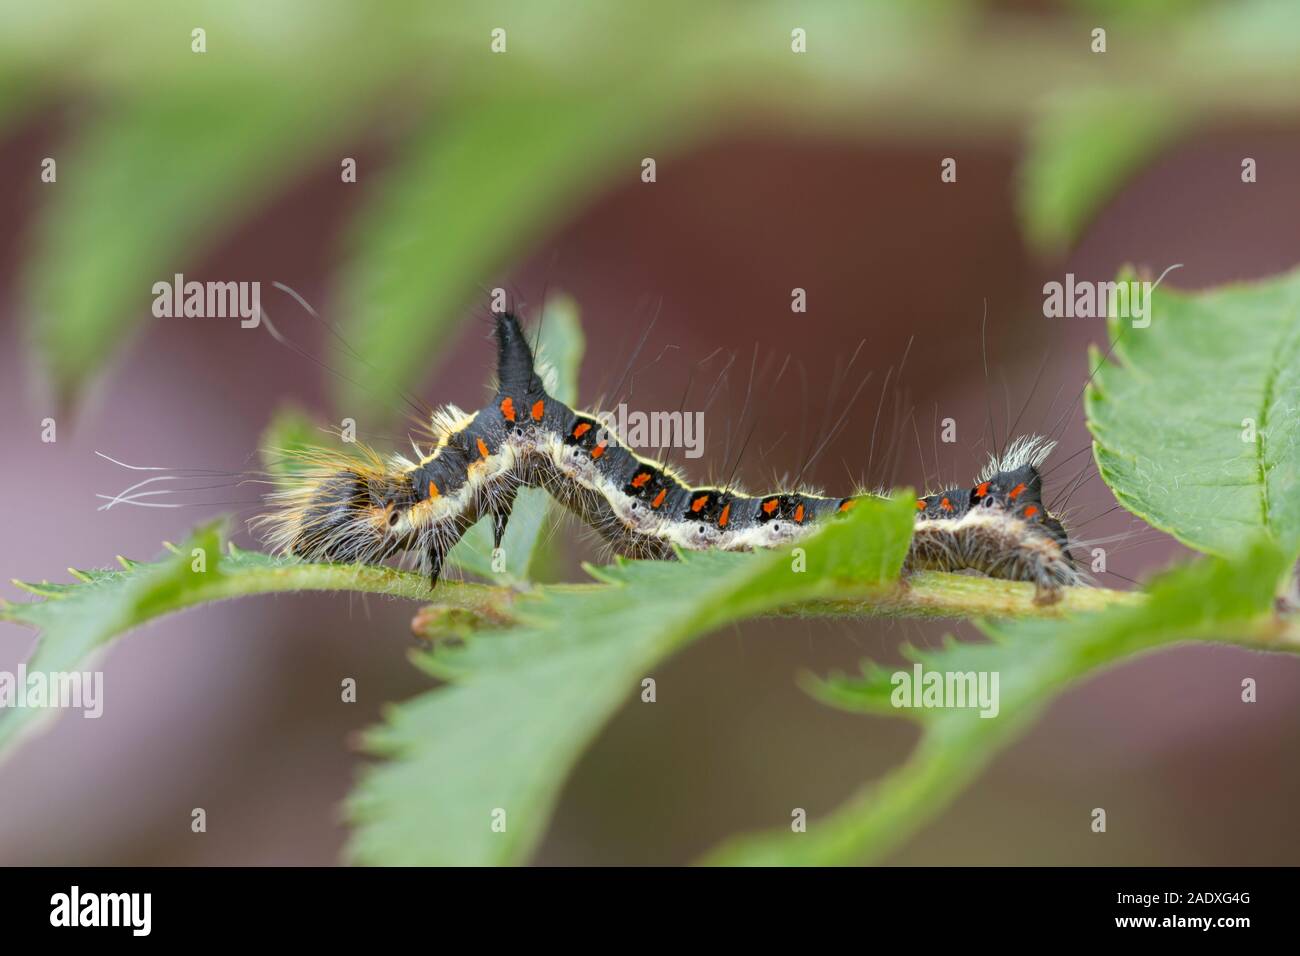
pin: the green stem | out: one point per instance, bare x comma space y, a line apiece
461, 605
933, 594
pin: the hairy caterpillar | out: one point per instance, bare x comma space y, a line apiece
375, 509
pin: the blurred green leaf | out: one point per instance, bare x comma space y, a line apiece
469, 194
141, 191
1197, 417
1034, 660
1126, 12
290, 431
525, 703
1261, 32
1081, 150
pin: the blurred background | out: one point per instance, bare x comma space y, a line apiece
774, 170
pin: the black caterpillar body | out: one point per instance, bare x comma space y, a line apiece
371, 511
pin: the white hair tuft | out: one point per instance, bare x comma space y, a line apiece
1026, 450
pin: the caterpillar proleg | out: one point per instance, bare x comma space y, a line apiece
375, 509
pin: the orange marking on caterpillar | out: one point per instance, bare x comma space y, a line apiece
581, 429
1031, 511
726, 515
641, 479
920, 505
538, 408
945, 504
983, 489
798, 515
770, 505
483, 448
659, 498
598, 450
1016, 491
699, 503
433, 491
852, 503
508, 408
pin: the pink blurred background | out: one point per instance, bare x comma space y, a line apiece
235, 708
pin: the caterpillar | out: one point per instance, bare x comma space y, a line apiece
374, 509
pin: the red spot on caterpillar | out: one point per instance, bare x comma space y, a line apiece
770, 505
659, 498
538, 408
508, 408
582, 429
482, 448
1016, 491
945, 504
798, 515
983, 489
920, 505
433, 491
725, 516
640, 480
1031, 511
699, 503
598, 450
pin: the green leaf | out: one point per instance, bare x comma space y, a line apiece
1082, 149
525, 703
1034, 660
470, 192
78, 619
559, 348
1197, 417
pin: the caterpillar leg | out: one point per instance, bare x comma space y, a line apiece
434, 556
500, 508
1047, 593
435, 542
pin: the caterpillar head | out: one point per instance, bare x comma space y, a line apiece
1014, 486
1015, 492
1013, 483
